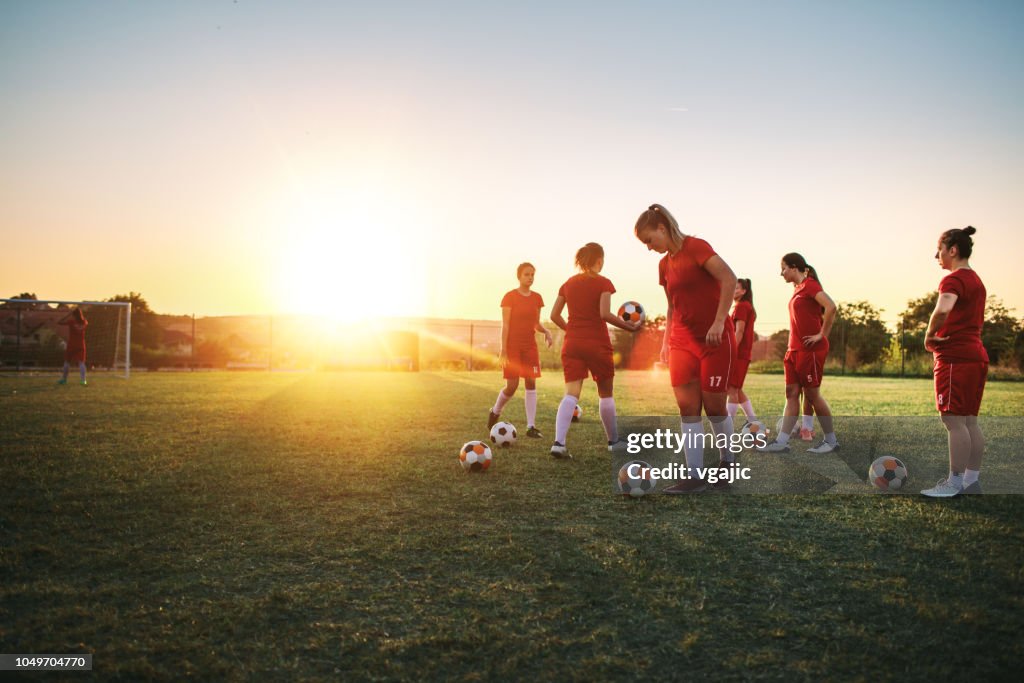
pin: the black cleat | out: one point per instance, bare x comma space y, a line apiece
492, 417
533, 433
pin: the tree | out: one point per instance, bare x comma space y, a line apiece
915, 322
859, 326
780, 342
146, 331
24, 307
999, 333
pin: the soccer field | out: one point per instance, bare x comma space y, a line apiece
318, 526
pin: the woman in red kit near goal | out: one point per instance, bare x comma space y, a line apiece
75, 350
699, 341
961, 362
587, 349
743, 316
811, 314
520, 321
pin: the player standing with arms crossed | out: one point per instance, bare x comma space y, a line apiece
587, 347
74, 352
699, 339
520, 319
743, 317
811, 313
961, 362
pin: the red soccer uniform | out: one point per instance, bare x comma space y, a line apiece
694, 294
587, 346
75, 350
744, 312
804, 364
524, 359
961, 362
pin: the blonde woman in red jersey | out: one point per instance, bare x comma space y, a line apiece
699, 340
587, 349
961, 362
743, 317
811, 313
520, 321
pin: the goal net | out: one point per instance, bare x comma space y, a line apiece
32, 338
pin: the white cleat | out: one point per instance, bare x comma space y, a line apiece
617, 446
824, 447
943, 489
774, 447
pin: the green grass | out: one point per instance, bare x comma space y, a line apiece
317, 526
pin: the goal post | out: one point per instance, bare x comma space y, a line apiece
33, 340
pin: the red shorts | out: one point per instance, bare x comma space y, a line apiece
712, 364
523, 362
959, 386
738, 374
804, 367
74, 355
579, 359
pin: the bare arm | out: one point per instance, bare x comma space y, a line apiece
740, 326
506, 317
543, 330
611, 318
825, 301
668, 330
939, 316
721, 271
556, 312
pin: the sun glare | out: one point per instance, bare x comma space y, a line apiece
350, 262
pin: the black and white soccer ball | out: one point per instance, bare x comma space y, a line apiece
888, 473
635, 479
632, 311
504, 434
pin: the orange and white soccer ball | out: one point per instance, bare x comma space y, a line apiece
888, 473
475, 456
631, 311
635, 479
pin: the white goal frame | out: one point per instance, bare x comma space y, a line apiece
128, 324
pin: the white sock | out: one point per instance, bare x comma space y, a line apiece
731, 408
606, 406
500, 403
693, 445
564, 417
783, 438
808, 422
748, 410
724, 427
956, 479
970, 476
831, 439
531, 408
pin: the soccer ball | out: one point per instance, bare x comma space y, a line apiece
639, 485
577, 413
888, 473
796, 426
756, 427
503, 434
475, 456
631, 311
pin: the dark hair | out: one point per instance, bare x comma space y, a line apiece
795, 260
961, 239
748, 296
523, 266
78, 315
588, 255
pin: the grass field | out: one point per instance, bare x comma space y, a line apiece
318, 526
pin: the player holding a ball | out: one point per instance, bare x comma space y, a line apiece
699, 338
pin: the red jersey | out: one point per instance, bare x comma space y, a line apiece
963, 326
76, 335
806, 316
525, 314
692, 291
744, 310
582, 294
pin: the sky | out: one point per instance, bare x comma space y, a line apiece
401, 159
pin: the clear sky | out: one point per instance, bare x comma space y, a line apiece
402, 158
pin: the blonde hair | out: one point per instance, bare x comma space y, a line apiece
656, 215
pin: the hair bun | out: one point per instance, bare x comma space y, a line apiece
970, 230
